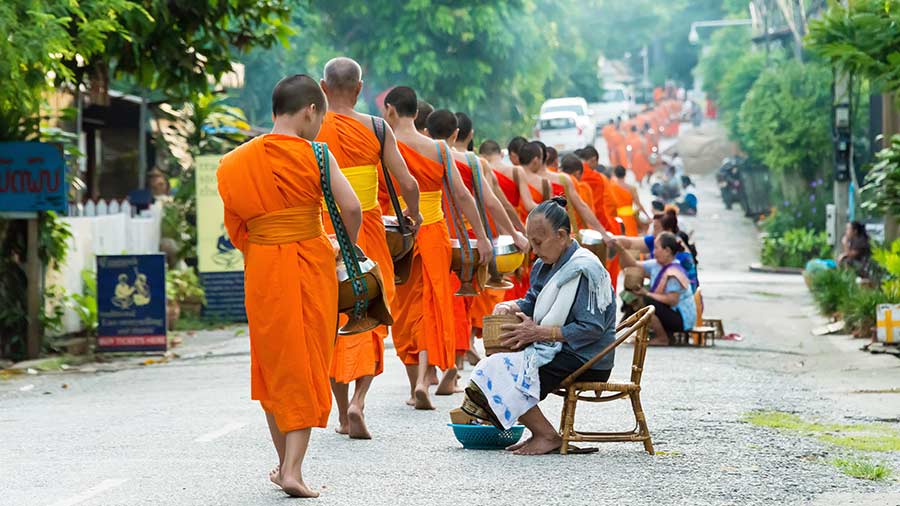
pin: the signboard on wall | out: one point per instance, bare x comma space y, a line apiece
221, 265
131, 302
32, 177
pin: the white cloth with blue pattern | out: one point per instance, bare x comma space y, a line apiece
510, 381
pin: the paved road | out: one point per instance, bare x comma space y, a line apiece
186, 432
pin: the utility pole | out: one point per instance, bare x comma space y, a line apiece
843, 153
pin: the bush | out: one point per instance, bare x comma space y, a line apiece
785, 122
795, 247
830, 288
859, 308
807, 211
734, 86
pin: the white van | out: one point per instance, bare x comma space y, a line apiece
561, 131
574, 107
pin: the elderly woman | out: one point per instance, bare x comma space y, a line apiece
567, 317
666, 221
670, 288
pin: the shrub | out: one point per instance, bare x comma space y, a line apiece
795, 247
830, 288
859, 307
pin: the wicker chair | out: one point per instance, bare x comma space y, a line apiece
572, 390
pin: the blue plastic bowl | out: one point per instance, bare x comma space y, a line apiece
486, 437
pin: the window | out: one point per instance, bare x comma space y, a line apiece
577, 109
613, 96
557, 123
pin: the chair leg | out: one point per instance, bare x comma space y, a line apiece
568, 420
644, 431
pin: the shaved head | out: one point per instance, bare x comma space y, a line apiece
297, 92
424, 109
342, 74
441, 124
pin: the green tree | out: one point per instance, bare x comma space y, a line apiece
724, 49
785, 123
734, 87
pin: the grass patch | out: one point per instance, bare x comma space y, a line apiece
57, 363
771, 295
874, 437
865, 442
862, 469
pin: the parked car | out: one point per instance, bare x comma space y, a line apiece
562, 131
579, 107
616, 102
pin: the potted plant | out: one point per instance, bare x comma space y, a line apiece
183, 293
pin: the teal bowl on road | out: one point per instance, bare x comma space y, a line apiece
486, 437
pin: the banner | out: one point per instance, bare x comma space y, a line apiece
32, 177
131, 302
221, 265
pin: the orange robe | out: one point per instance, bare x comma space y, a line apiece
358, 153
290, 283
609, 135
520, 280
625, 209
604, 206
423, 317
640, 163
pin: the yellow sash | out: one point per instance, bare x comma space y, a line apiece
430, 205
364, 180
625, 211
285, 226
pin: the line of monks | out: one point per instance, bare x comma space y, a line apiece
634, 143
272, 189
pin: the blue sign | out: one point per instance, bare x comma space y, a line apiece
131, 302
224, 296
32, 177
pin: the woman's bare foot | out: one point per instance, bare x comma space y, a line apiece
275, 475
518, 445
448, 384
296, 488
422, 400
540, 445
357, 423
658, 341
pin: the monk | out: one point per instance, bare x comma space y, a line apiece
351, 138
424, 110
627, 202
512, 149
272, 192
508, 177
604, 200
552, 159
610, 135
424, 329
470, 310
639, 160
536, 173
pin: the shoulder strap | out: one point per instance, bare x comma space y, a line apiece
478, 186
378, 126
547, 190
455, 218
348, 249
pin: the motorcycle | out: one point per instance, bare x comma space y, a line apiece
728, 178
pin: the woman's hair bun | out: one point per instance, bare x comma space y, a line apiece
560, 201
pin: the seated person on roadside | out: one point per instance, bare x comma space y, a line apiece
567, 317
670, 289
666, 221
857, 251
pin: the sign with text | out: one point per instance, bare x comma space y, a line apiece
32, 177
131, 302
221, 265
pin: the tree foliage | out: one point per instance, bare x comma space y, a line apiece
724, 49
785, 120
733, 88
863, 39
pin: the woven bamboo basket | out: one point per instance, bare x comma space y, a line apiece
491, 332
634, 278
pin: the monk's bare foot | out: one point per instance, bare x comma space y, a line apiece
275, 475
422, 400
411, 401
343, 425
518, 445
296, 488
358, 429
432, 376
448, 384
472, 358
540, 445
